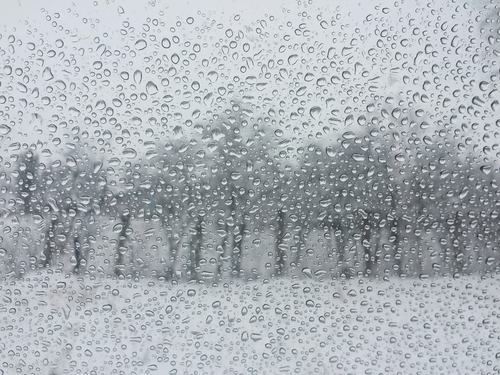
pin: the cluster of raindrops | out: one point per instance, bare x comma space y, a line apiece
260, 328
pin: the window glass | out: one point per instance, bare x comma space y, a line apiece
249, 187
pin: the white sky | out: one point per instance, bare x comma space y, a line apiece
107, 17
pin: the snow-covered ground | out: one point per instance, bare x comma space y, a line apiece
53, 324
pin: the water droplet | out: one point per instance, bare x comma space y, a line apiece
4, 129
331, 152
151, 88
235, 176
47, 74
325, 202
463, 192
97, 166
138, 77
213, 76
486, 169
315, 113
141, 44
130, 153
165, 43
251, 80
118, 228
427, 140
358, 157
71, 162
483, 85
292, 59
256, 336
349, 135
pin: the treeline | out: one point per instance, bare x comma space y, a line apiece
240, 196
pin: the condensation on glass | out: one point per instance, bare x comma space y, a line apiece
312, 189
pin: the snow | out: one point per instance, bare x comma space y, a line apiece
56, 324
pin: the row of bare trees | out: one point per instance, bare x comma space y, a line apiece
226, 202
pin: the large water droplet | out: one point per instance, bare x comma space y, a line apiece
358, 157
137, 76
165, 43
130, 153
151, 88
315, 113
486, 169
4, 129
47, 74
330, 151
292, 59
213, 76
141, 44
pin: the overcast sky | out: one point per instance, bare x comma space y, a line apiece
355, 27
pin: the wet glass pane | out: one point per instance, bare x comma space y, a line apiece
249, 187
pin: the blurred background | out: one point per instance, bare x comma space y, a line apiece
245, 142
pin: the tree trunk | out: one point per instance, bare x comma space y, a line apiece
366, 238
397, 252
122, 246
458, 245
78, 254
27, 177
237, 249
195, 251
50, 245
341, 243
279, 251
172, 248
237, 246
301, 244
222, 251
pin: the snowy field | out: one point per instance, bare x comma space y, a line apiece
52, 324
